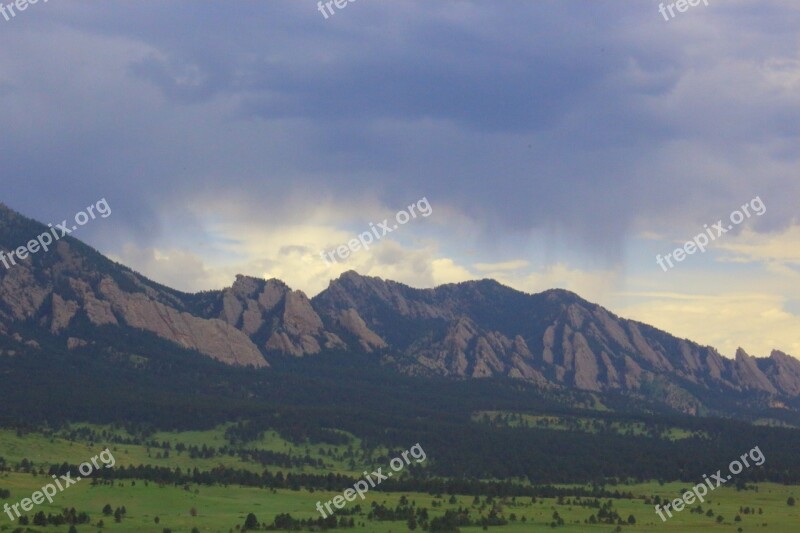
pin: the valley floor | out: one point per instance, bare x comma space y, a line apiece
220, 509
154, 507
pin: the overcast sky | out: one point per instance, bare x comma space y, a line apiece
558, 143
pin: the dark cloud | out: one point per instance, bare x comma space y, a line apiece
586, 120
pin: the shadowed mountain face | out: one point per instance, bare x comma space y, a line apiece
482, 328
468, 330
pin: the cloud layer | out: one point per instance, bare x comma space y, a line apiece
560, 143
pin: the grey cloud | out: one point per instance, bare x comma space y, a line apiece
569, 117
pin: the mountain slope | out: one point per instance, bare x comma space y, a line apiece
474, 329
73, 287
481, 328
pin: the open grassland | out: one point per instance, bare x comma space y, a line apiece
223, 508
56, 448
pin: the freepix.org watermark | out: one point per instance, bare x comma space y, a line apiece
340, 4
43, 241
681, 5
62, 482
701, 240
365, 239
698, 492
10, 11
361, 487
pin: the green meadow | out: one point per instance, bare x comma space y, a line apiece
152, 507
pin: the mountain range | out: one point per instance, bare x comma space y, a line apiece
474, 329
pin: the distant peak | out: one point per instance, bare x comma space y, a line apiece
352, 274
565, 297
783, 357
482, 282
244, 278
250, 285
561, 293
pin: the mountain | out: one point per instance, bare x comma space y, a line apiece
482, 328
72, 288
475, 329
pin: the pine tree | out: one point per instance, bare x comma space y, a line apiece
251, 522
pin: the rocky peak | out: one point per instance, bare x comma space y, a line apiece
750, 376
246, 286
784, 371
279, 318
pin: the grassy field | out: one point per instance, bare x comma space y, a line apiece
55, 448
222, 509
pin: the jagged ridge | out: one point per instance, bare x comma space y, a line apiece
468, 330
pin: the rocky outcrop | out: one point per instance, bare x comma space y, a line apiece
74, 343
367, 339
62, 313
369, 295
269, 309
20, 291
299, 318
783, 371
557, 338
466, 351
98, 311
750, 376
585, 364
73, 288
213, 337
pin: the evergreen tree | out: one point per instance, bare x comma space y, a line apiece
251, 522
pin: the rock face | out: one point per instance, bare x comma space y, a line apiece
783, 371
368, 340
21, 293
62, 312
466, 351
282, 319
750, 376
73, 283
213, 337
481, 328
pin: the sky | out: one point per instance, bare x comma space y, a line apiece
557, 144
